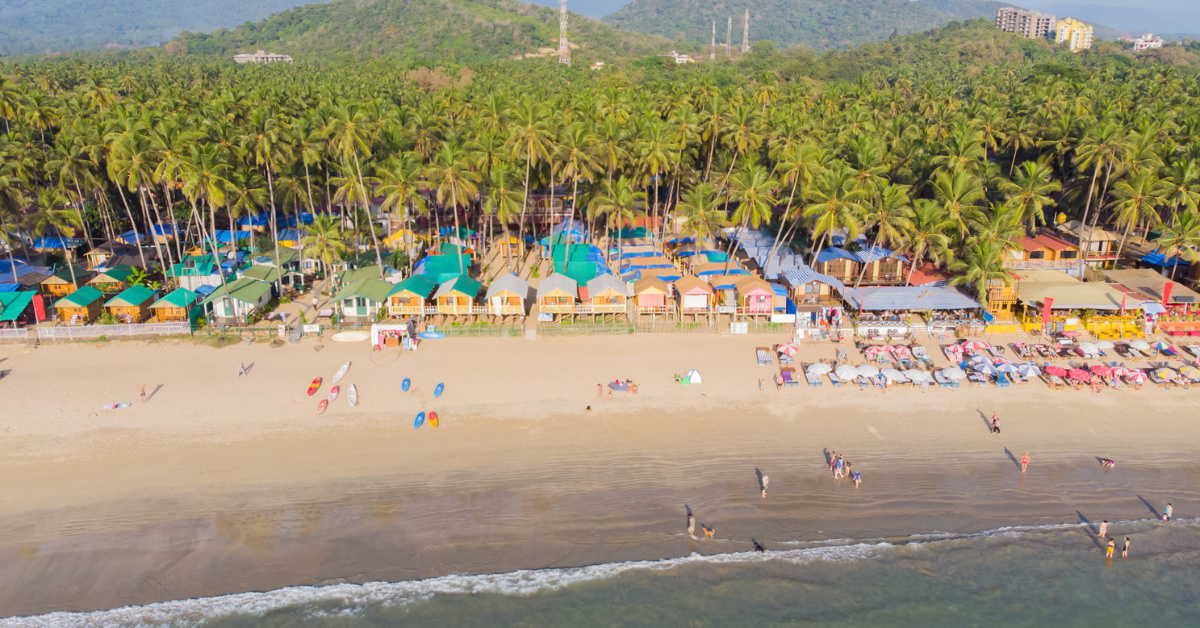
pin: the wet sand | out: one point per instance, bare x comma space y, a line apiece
222, 485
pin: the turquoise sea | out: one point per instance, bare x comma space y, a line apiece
1050, 575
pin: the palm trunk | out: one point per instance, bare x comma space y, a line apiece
1100, 201
458, 231
79, 211
524, 205
367, 209
132, 225
711, 148
174, 224
784, 219
214, 247
275, 234
863, 272
1013, 167
1122, 244
12, 263
153, 236
816, 250
1083, 246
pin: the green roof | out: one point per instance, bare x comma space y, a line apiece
204, 265
12, 304
286, 253
262, 272
64, 274
355, 274
417, 284
181, 297
245, 289
447, 248
581, 272
132, 296
116, 273
80, 298
372, 289
463, 285
443, 268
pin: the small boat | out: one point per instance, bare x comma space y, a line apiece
419, 420
433, 420
312, 388
337, 377
333, 393
405, 384
321, 406
437, 392
352, 395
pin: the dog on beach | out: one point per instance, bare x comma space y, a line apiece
708, 531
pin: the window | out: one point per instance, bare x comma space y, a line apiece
1037, 255
1068, 255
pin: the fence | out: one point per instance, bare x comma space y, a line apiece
19, 334
89, 332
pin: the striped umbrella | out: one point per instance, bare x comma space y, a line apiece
1166, 374
1056, 371
789, 349
1028, 369
901, 352
974, 345
1135, 375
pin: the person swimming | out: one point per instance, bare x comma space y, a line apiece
1108, 463
758, 547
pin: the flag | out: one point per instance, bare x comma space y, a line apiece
1124, 293
1048, 302
1167, 287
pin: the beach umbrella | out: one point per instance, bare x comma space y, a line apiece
789, 349
985, 367
1189, 372
1056, 371
868, 370
1101, 370
953, 373
1072, 334
894, 375
820, 368
917, 376
878, 349
1105, 344
1089, 348
1161, 346
845, 371
1135, 375
1139, 344
1078, 375
1166, 374
1007, 367
1028, 369
901, 352
974, 345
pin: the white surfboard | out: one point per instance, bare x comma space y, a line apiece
337, 377
352, 395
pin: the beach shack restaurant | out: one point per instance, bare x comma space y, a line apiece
887, 311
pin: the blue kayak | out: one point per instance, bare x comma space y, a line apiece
405, 384
437, 392
420, 419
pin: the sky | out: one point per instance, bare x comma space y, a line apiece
594, 8
1159, 16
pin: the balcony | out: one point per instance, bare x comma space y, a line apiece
557, 308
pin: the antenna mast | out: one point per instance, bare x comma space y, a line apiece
746, 32
564, 52
713, 54
729, 37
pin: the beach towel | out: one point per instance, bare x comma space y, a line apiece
619, 386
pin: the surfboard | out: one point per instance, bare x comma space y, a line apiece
405, 384
352, 395
312, 388
437, 392
433, 420
321, 406
115, 406
337, 377
419, 420
333, 393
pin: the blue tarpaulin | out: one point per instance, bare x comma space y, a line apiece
908, 298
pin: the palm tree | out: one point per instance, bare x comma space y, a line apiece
265, 144
754, 190
324, 239
204, 176
928, 238
10, 200
619, 201
1099, 149
1181, 237
451, 176
502, 201
890, 216
981, 263
52, 215
531, 138
702, 212
349, 131
959, 194
1029, 192
401, 180
835, 203
1137, 200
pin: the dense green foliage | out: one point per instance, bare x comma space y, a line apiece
437, 31
947, 160
818, 24
48, 26
965, 9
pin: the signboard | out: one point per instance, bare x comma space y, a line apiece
545, 317
312, 329
783, 318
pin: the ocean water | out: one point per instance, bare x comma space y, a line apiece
1051, 575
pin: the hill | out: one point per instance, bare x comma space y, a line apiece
965, 9
437, 31
59, 26
818, 24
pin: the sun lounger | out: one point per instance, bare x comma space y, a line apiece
1057, 382
942, 380
864, 382
995, 351
1001, 380
789, 376
833, 379
976, 378
1022, 350
1074, 383
1156, 379
764, 356
812, 379
921, 354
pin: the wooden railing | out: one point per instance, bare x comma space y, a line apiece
568, 308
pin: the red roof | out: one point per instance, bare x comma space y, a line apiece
1045, 241
927, 273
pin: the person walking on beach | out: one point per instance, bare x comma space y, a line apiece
610, 392
1024, 462
832, 461
599, 390
849, 469
857, 479
765, 483
691, 525
1104, 528
995, 423
241, 369
837, 472
1167, 512
142, 392
1125, 550
1112, 545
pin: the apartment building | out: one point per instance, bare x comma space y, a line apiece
262, 56
1031, 24
1076, 34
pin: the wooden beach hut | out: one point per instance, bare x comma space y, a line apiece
132, 305
408, 297
80, 307
60, 283
113, 280
245, 296
755, 296
607, 294
457, 296
650, 296
694, 296
506, 296
178, 306
557, 294
362, 300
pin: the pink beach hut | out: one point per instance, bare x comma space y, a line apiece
755, 296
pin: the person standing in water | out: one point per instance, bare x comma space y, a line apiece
1125, 550
765, 483
1167, 512
1104, 528
691, 525
1024, 462
1112, 545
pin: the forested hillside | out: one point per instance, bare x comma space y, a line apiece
965, 9
818, 24
437, 31
54, 26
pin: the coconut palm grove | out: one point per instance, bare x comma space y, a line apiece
941, 145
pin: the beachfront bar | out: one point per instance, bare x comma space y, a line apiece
887, 311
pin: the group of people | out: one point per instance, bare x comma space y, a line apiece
843, 469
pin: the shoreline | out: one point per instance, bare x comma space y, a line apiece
194, 494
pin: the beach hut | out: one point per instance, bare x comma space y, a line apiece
457, 296
557, 294
20, 307
607, 294
694, 296
113, 280
812, 288
506, 296
245, 296
132, 305
178, 306
755, 296
362, 300
650, 295
195, 271
80, 307
60, 283
408, 297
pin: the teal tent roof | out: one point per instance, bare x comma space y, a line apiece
12, 304
417, 284
80, 298
245, 289
132, 296
181, 297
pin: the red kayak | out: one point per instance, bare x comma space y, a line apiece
333, 393
321, 406
433, 419
312, 388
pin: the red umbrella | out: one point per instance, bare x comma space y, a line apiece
1056, 371
1102, 371
1135, 375
901, 352
1078, 375
974, 345
1072, 334
789, 349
